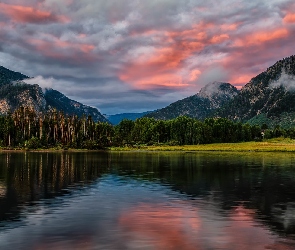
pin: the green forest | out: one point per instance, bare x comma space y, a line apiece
26, 129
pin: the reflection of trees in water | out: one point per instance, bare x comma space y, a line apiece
257, 181
2, 189
28, 177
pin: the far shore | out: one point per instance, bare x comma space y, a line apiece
271, 145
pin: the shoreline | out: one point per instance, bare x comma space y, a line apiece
272, 145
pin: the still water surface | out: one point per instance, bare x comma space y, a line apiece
105, 200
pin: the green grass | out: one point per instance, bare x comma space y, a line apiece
271, 145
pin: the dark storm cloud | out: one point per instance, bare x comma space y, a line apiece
140, 55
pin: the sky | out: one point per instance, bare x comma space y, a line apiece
138, 55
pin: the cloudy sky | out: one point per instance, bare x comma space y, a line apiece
138, 55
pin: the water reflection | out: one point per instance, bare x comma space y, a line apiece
165, 227
29, 177
2, 190
162, 226
100, 200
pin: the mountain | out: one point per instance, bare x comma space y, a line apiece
201, 105
7, 76
14, 93
115, 119
57, 100
268, 98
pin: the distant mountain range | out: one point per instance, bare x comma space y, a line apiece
115, 119
14, 93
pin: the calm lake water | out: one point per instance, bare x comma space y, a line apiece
145, 200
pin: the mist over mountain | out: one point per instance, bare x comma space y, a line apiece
214, 95
15, 92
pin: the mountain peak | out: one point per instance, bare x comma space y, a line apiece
217, 88
201, 105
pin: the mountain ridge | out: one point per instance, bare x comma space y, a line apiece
55, 99
7, 76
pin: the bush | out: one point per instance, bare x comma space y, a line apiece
33, 143
89, 144
173, 143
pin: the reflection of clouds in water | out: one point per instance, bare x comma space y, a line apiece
187, 227
162, 226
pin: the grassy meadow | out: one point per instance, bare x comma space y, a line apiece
271, 145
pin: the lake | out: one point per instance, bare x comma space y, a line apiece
147, 200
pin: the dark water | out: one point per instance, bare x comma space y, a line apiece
100, 200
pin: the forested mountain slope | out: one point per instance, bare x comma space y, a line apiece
270, 96
7, 76
57, 100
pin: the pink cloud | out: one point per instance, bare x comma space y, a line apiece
219, 38
289, 18
25, 14
232, 45
159, 68
63, 50
261, 37
163, 66
229, 27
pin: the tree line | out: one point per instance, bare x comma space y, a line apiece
24, 128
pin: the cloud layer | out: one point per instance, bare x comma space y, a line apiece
126, 56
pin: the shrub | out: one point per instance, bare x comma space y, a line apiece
33, 143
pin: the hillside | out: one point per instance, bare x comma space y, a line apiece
267, 98
17, 94
14, 93
212, 96
7, 76
57, 100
